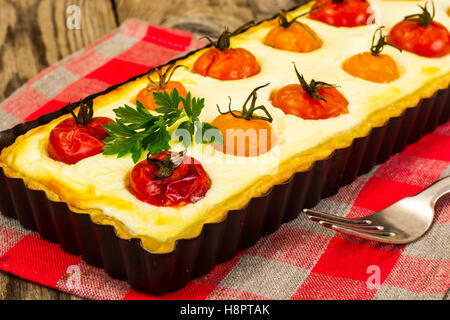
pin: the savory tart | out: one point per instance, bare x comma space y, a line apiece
123, 158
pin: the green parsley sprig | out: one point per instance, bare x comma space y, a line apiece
136, 130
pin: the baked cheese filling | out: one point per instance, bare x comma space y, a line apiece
99, 184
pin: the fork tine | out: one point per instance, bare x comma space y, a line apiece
366, 227
332, 218
382, 236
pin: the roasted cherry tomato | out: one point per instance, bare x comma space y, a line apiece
245, 133
79, 137
145, 96
187, 183
316, 100
242, 137
295, 37
225, 63
342, 13
374, 66
418, 33
381, 68
231, 64
292, 99
431, 41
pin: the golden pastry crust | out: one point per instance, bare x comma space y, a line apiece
298, 163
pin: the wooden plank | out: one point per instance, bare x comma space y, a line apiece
34, 35
201, 17
13, 288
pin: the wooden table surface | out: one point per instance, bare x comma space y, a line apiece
34, 35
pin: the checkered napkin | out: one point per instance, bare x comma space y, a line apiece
301, 260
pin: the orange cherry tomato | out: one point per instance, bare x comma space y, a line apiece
432, 41
293, 38
145, 96
346, 13
380, 68
231, 64
292, 99
243, 137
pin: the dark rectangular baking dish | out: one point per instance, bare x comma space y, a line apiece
158, 273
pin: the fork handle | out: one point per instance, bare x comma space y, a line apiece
436, 190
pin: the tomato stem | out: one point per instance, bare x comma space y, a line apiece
283, 17
377, 46
164, 78
85, 112
248, 114
313, 86
223, 42
167, 166
425, 18
283, 20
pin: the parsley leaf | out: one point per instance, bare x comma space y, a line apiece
169, 103
137, 130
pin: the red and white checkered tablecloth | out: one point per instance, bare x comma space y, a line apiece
301, 260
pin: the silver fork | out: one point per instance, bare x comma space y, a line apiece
402, 222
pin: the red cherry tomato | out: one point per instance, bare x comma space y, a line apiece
292, 99
231, 64
347, 13
70, 142
188, 183
431, 41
